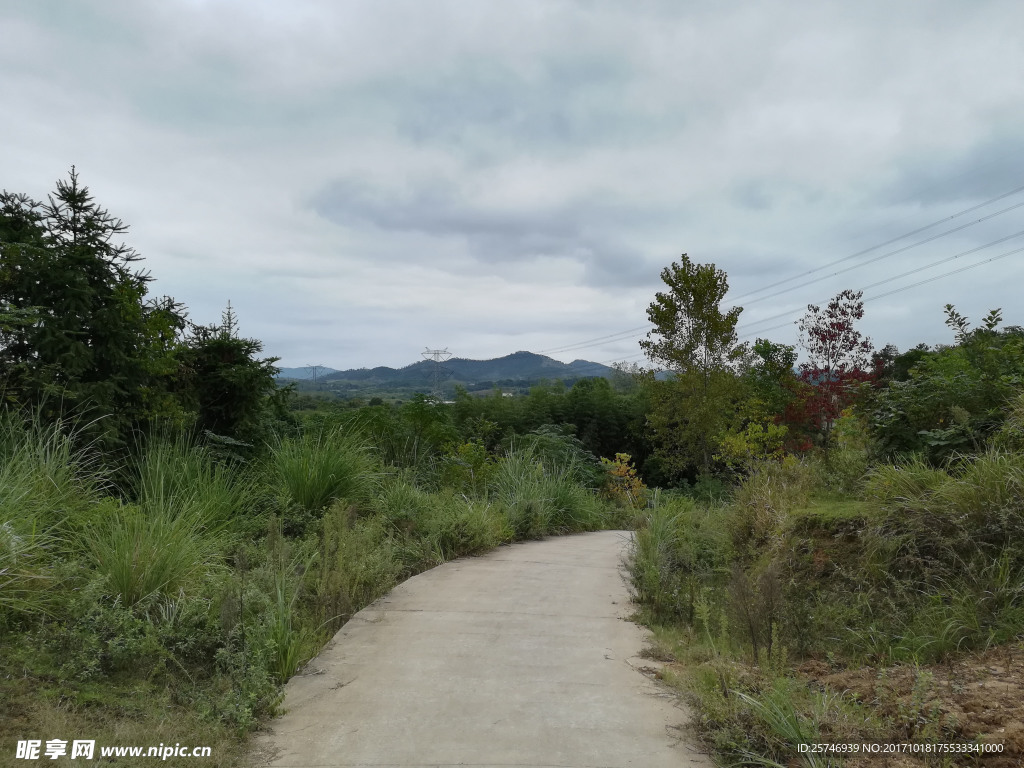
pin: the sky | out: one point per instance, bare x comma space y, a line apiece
366, 180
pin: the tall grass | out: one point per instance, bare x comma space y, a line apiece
317, 468
678, 550
44, 480
784, 727
359, 561
934, 522
460, 526
764, 499
45, 484
173, 476
146, 552
539, 500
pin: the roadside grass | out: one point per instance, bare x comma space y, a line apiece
317, 468
174, 606
925, 567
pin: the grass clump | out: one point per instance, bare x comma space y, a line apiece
175, 476
318, 468
359, 560
678, 549
151, 551
540, 498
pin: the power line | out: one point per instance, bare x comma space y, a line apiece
881, 295
621, 335
897, 290
945, 274
882, 245
886, 255
593, 342
904, 274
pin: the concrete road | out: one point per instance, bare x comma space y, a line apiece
522, 657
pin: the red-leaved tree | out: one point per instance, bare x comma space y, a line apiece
838, 360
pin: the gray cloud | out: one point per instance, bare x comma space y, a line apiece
583, 231
364, 179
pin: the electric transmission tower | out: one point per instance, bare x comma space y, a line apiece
314, 370
439, 371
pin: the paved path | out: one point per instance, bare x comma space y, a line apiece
518, 658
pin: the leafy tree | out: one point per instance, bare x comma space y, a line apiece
769, 371
838, 359
696, 341
624, 486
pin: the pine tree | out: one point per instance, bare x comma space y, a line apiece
88, 343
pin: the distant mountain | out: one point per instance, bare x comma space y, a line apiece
305, 373
517, 367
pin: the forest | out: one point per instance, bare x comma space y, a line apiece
829, 539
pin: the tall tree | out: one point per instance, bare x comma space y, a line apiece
86, 339
839, 359
695, 340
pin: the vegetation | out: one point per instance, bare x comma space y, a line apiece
175, 542
696, 340
819, 548
785, 607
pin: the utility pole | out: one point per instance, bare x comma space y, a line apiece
438, 356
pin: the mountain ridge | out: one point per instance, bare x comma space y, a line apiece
518, 366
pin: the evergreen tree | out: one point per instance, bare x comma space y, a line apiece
84, 339
232, 392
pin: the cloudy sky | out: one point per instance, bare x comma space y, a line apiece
366, 179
